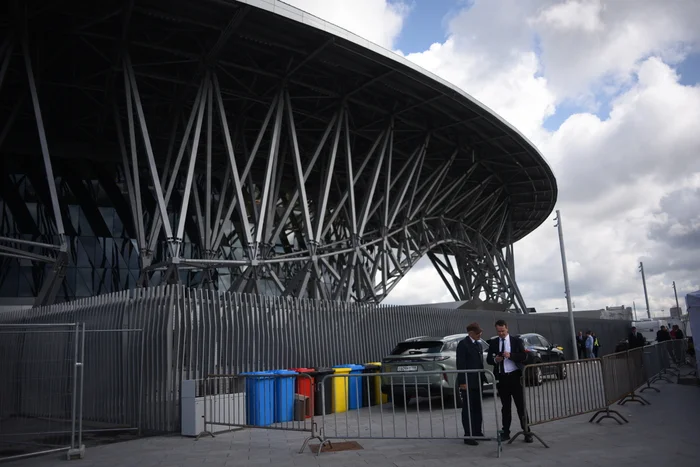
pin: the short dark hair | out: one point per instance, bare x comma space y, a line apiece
501, 322
474, 327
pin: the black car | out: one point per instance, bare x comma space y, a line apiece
540, 350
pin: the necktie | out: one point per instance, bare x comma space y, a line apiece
503, 349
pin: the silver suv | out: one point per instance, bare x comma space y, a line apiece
426, 354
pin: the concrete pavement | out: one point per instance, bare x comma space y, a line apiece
666, 431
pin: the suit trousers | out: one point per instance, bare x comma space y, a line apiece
472, 417
510, 388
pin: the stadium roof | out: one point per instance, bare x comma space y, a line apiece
256, 45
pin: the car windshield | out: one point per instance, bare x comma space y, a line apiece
414, 348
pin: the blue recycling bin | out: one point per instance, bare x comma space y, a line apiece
284, 395
354, 385
260, 401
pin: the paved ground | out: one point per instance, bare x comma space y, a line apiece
666, 431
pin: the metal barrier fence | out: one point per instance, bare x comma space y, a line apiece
41, 388
594, 385
272, 401
439, 411
657, 364
191, 333
570, 389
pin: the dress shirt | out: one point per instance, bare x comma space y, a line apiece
508, 365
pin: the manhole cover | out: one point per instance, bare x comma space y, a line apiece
337, 447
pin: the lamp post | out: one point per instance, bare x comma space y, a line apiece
567, 290
644, 283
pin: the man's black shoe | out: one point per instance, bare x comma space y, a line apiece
471, 442
528, 438
505, 436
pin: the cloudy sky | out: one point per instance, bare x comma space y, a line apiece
609, 92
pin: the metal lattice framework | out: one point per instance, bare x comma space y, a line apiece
253, 151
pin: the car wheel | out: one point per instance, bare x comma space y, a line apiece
563, 373
535, 376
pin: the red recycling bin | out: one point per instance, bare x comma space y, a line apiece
305, 387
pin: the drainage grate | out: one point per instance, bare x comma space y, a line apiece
337, 447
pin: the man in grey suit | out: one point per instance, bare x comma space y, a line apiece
470, 357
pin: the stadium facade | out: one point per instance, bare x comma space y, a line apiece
245, 146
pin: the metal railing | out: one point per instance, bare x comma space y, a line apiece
594, 385
272, 401
567, 389
189, 333
439, 410
41, 387
657, 365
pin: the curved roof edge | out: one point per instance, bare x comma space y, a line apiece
291, 12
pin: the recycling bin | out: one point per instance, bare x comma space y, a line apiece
380, 397
305, 387
371, 386
260, 401
340, 390
354, 385
323, 391
284, 395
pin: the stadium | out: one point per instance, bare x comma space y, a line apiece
245, 147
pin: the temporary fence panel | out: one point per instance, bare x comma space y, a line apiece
656, 364
616, 377
559, 390
265, 400
425, 405
41, 389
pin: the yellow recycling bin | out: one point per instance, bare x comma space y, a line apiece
340, 390
379, 397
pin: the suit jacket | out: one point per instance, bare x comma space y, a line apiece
517, 353
635, 341
469, 357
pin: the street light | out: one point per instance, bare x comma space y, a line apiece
567, 290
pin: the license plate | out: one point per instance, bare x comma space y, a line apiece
407, 368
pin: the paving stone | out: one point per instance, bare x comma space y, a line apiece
666, 429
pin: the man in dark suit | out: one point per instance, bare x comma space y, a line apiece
507, 355
470, 357
635, 339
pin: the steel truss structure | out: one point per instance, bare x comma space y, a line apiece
240, 158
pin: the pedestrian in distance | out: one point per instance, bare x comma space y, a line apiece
589, 344
678, 334
596, 345
662, 335
507, 355
580, 344
470, 357
635, 339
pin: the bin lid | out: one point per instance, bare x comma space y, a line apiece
350, 366
257, 373
303, 370
284, 372
322, 372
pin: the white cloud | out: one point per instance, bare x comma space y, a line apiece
378, 21
587, 44
628, 181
